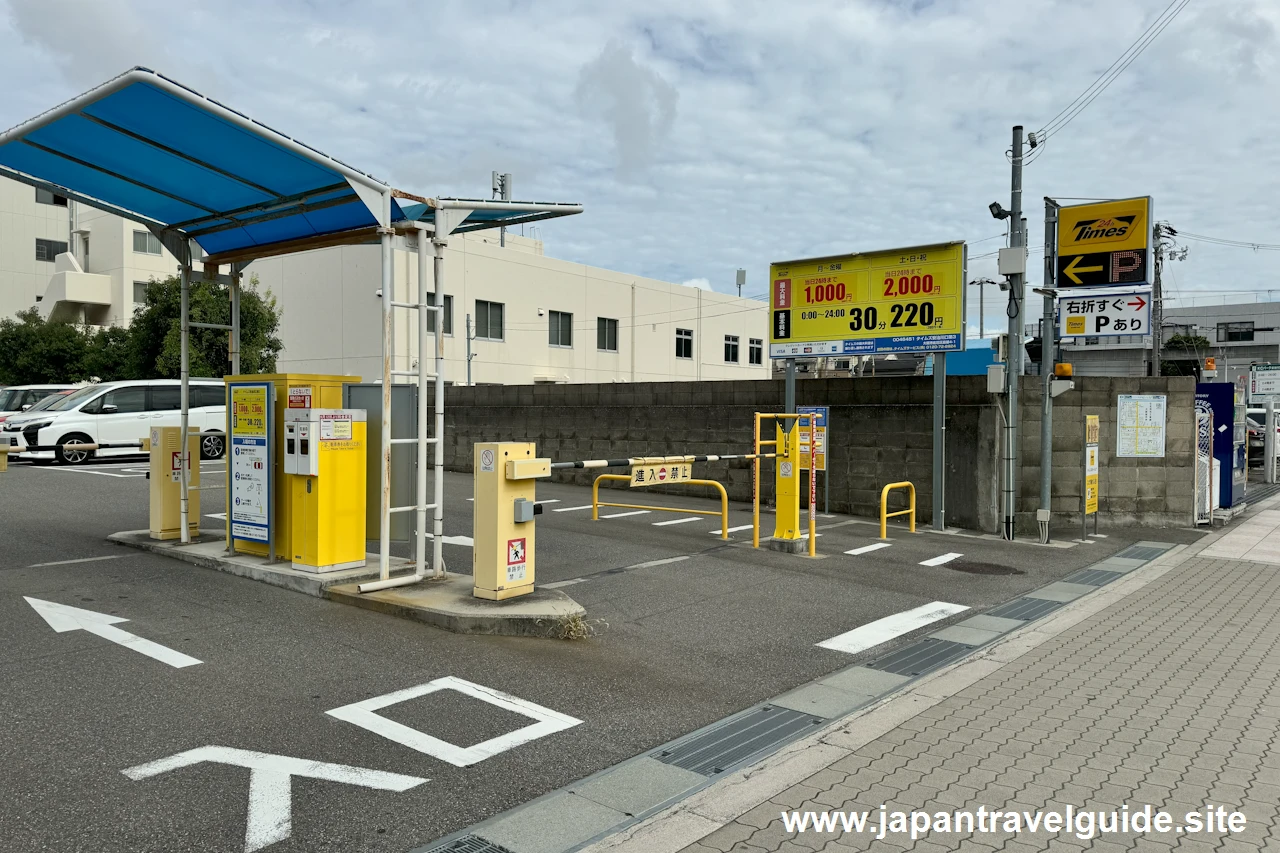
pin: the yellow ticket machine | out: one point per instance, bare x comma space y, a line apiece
324, 471
166, 486
502, 516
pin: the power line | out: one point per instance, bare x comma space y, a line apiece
1223, 241
1113, 71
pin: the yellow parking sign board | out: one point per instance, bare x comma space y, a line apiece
900, 300
1104, 243
1091, 464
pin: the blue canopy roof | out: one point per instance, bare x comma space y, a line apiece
150, 149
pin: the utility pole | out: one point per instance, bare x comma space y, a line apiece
1047, 346
502, 190
1157, 303
1017, 290
470, 338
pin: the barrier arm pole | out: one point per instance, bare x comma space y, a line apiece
384, 510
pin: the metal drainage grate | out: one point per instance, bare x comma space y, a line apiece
919, 658
734, 742
1025, 609
1141, 552
1093, 577
469, 844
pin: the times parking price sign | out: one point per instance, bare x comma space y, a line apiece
899, 300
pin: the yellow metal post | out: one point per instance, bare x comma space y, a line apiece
4, 458
885, 515
813, 490
755, 489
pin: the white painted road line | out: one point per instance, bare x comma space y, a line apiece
549, 501
938, 561
69, 562
867, 549
571, 508
455, 540
653, 563
559, 584
883, 630
270, 817
221, 516
740, 528
364, 714
625, 514
62, 618
677, 521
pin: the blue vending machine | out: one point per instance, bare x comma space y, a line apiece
1224, 400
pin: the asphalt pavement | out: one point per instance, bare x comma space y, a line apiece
687, 630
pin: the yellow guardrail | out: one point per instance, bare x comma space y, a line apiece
885, 515
724, 501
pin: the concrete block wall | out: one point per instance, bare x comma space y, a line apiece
881, 432
1132, 492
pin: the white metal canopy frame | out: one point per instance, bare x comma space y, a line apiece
216, 186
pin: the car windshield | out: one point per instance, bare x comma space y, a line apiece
75, 398
7, 396
50, 402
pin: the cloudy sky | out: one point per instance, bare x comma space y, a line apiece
704, 136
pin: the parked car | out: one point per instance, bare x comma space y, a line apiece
19, 398
1256, 426
116, 413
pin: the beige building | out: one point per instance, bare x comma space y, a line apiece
73, 262
532, 318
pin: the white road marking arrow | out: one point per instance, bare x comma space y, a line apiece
62, 618
270, 816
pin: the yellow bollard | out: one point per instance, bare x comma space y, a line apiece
885, 515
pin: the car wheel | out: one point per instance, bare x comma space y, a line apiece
212, 446
73, 457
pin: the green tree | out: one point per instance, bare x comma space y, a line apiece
156, 331
1182, 355
33, 350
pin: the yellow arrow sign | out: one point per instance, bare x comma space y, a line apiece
1074, 267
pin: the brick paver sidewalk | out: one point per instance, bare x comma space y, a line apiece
1166, 697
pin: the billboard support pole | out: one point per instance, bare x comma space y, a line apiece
789, 393
939, 441
1048, 337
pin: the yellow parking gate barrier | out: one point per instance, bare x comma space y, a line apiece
724, 501
885, 515
811, 419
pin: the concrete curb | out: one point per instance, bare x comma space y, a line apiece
443, 604
448, 604
208, 552
708, 809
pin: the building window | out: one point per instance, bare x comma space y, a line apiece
448, 314
140, 292
1233, 332
146, 243
606, 334
44, 196
560, 329
684, 343
731, 349
842, 364
488, 320
47, 250
755, 355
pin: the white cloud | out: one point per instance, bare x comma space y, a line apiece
703, 137
699, 283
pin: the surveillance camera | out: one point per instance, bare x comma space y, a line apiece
997, 211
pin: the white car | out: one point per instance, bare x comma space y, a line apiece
18, 398
117, 413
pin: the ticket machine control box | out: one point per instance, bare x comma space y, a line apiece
325, 469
